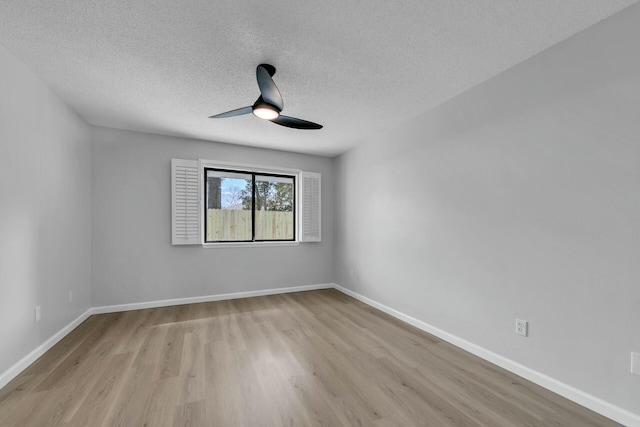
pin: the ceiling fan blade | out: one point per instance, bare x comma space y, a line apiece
292, 122
233, 113
270, 68
268, 88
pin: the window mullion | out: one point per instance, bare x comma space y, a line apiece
253, 207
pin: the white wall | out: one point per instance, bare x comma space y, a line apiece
133, 260
519, 198
45, 211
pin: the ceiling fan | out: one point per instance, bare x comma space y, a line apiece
269, 105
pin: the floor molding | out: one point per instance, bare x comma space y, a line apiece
22, 364
588, 401
207, 298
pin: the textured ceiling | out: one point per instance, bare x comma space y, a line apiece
357, 67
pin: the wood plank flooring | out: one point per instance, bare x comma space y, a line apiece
316, 358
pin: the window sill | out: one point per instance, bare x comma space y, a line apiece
247, 244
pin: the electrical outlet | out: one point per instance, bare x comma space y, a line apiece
38, 313
70, 297
522, 327
635, 363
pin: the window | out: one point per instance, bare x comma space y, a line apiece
243, 206
219, 204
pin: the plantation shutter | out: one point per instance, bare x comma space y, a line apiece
185, 202
310, 219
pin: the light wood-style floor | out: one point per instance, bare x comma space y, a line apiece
315, 358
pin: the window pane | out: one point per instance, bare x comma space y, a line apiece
274, 208
228, 206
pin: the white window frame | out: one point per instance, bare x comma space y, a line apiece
187, 226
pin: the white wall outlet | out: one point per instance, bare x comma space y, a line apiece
635, 363
38, 313
522, 327
70, 297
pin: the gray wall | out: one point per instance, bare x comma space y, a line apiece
133, 260
45, 211
519, 198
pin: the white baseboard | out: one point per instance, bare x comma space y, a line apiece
594, 403
207, 298
24, 363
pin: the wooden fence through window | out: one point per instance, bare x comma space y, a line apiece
232, 224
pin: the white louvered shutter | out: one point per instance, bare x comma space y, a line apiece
185, 198
310, 219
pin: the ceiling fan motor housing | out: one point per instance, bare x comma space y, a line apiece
264, 110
